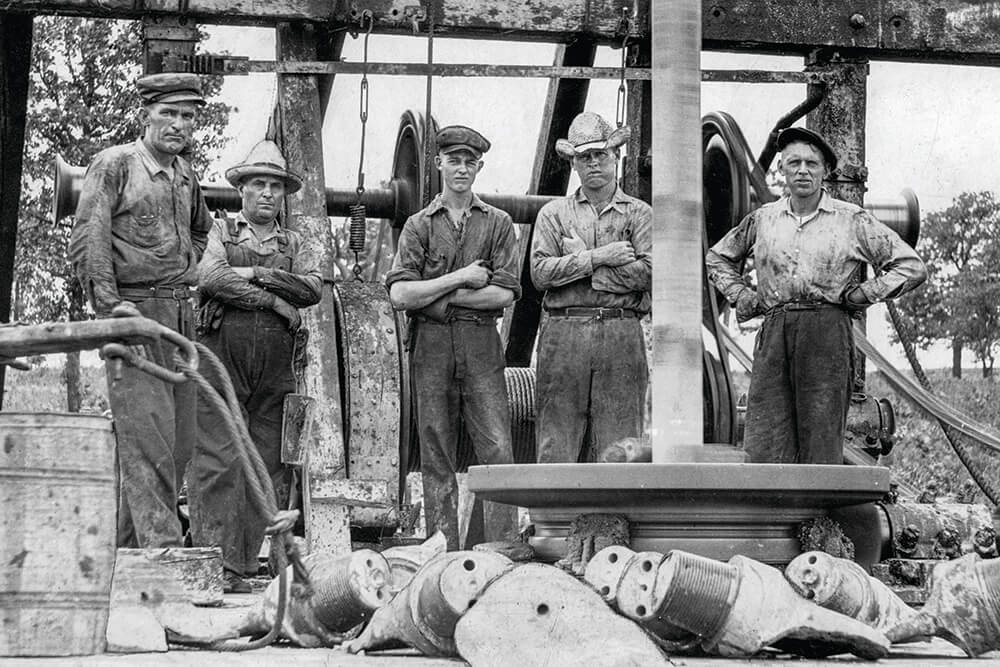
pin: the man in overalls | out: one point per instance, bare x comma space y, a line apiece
255, 275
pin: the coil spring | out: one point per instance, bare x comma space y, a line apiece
356, 239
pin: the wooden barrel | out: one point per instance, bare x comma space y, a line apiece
57, 532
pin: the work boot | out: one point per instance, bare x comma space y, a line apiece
234, 583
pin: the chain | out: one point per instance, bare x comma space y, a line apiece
622, 107
356, 240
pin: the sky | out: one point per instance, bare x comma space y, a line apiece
925, 125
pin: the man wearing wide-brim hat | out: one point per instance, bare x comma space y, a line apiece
807, 249
141, 226
591, 253
254, 277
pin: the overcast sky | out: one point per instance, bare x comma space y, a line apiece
926, 127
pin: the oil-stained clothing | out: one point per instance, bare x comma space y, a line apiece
592, 371
255, 345
458, 365
800, 386
140, 230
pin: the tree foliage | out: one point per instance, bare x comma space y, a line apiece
82, 99
961, 301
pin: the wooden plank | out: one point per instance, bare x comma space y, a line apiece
300, 134
754, 76
463, 70
15, 65
549, 176
549, 20
677, 233
942, 31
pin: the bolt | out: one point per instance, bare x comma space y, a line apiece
896, 22
858, 21
717, 12
809, 576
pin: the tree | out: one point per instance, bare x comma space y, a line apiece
82, 99
961, 301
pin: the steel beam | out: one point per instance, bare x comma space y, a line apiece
15, 68
549, 176
548, 20
299, 131
462, 70
942, 31
677, 231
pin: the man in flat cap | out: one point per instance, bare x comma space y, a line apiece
455, 271
141, 227
592, 254
254, 276
807, 249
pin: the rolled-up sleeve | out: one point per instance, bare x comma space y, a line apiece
410, 254
217, 280
725, 259
636, 276
506, 267
549, 267
90, 241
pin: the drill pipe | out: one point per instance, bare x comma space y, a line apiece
963, 606
843, 586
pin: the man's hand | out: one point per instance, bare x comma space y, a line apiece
617, 253
245, 272
289, 312
438, 310
573, 243
476, 275
748, 305
855, 299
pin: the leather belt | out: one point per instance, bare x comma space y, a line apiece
180, 293
594, 313
803, 305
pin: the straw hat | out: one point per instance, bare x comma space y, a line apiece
589, 132
264, 159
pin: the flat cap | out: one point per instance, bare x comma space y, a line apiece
170, 87
792, 134
459, 137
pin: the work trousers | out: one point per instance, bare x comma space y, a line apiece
155, 432
591, 373
800, 388
458, 373
255, 348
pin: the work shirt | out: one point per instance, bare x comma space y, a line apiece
431, 245
571, 279
138, 224
282, 266
815, 257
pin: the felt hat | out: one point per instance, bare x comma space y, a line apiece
264, 159
793, 134
589, 132
170, 87
461, 138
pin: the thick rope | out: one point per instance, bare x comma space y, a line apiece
954, 437
262, 495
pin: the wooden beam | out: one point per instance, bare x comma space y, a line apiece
15, 68
677, 232
548, 20
299, 132
637, 169
439, 69
943, 31
549, 176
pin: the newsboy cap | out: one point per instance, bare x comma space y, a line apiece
792, 134
264, 159
589, 131
459, 137
170, 87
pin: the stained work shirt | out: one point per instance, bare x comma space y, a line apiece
137, 224
813, 258
571, 279
431, 245
282, 266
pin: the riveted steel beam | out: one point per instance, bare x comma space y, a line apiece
940, 31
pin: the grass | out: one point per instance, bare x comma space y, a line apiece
43, 389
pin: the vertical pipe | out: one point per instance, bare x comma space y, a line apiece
15, 68
677, 229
